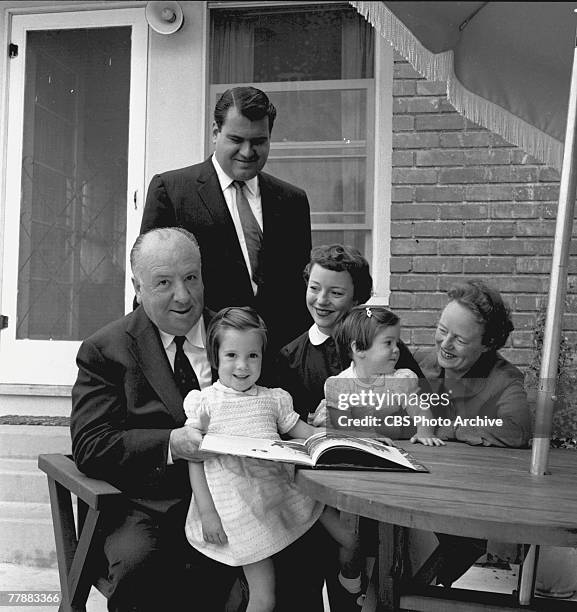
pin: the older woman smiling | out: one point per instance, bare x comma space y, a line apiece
482, 386
465, 363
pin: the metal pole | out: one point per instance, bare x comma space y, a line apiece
527, 581
557, 288
554, 319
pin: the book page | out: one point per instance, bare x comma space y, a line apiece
323, 441
291, 451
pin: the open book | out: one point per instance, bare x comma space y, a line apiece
323, 450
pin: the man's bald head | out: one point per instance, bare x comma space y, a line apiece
167, 278
158, 234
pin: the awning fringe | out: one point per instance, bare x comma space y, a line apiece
440, 67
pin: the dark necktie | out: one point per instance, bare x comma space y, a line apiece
251, 230
184, 375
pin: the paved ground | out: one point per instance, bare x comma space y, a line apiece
23, 578
36, 579
43, 579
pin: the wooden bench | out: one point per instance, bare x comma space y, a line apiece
78, 545
79, 552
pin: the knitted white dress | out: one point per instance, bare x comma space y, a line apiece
261, 509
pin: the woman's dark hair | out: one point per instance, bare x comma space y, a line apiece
344, 258
239, 318
488, 308
361, 326
250, 102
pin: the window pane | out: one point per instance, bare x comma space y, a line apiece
290, 44
335, 186
321, 114
74, 176
316, 65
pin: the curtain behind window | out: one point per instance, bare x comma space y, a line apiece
357, 60
233, 51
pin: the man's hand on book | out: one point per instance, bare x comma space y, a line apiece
212, 529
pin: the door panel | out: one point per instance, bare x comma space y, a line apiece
76, 142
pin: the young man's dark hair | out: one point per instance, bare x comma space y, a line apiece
249, 101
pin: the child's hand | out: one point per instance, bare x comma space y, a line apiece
427, 440
203, 419
386, 441
319, 417
212, 530
405, 381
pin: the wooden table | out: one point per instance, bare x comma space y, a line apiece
482, 492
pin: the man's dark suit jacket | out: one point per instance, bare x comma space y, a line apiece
192, 198
125, 402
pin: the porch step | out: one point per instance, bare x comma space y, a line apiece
22, 481
26, 534
25, 521
28, 441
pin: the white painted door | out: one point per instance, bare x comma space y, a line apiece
75, 164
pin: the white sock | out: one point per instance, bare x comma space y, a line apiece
352, 585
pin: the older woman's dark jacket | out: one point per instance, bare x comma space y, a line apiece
492, 388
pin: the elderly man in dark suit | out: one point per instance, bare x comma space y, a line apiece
253, 229
128, 427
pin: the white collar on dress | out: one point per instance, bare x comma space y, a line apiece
316, 336
351, 372
224, 389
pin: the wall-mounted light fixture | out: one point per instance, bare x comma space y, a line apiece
164, 17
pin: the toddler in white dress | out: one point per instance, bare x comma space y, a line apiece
369, 336
245, 510
370, 398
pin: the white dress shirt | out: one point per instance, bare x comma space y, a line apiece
252, 194
195, 349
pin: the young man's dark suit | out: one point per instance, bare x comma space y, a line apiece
192, 198
125, 403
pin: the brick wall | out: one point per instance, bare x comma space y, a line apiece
466, 204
